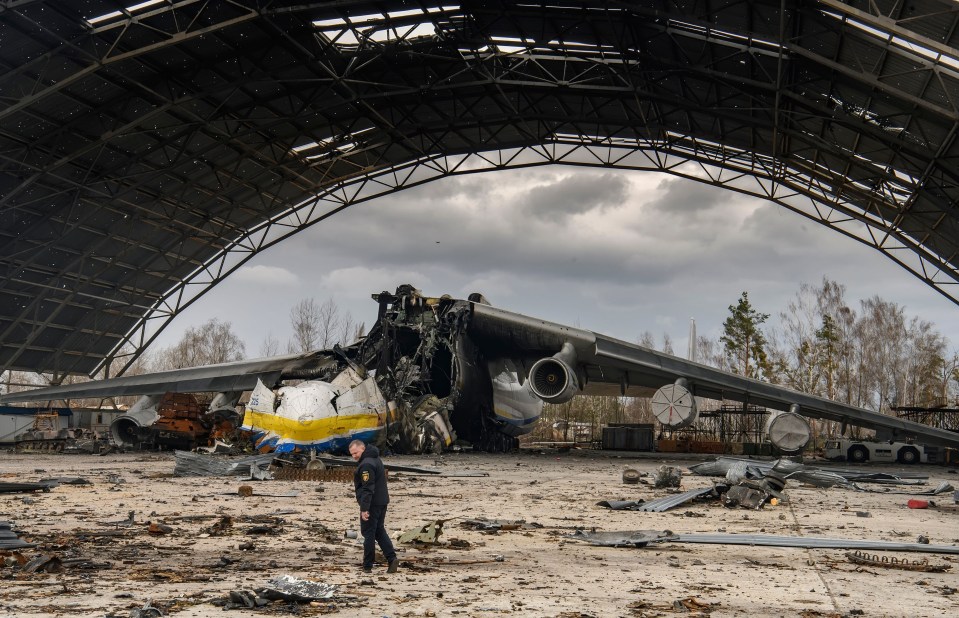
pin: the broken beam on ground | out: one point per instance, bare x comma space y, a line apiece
772, 540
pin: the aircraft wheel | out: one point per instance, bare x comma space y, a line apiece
858, 454
908, 455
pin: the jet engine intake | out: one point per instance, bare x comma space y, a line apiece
553, 379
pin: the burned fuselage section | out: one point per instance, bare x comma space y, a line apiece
426, 385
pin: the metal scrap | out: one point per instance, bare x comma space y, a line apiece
942, 488
820, 477
641, 538
337, 475
891, 562
772, 540
427, 534
664, 504
637, 538
668, 476
9, 538
17, 488
195, 464
621, 505
746, 497
289, 588
493, 525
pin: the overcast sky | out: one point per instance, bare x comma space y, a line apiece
616, 252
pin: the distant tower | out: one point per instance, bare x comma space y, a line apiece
691, 352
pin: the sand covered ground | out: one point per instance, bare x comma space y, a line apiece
114, 568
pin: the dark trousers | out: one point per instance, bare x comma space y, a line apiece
373, 531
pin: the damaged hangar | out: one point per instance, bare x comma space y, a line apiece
151, 149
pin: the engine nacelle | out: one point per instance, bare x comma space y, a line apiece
788, 431
674, 405
553, 379
130, 429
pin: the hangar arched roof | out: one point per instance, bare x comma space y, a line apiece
149, 148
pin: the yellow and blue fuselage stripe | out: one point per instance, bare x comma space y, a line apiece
331, 433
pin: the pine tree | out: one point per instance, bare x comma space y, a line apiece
744, 342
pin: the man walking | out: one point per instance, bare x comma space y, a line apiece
369, 481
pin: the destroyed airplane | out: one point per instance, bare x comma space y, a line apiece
436, 369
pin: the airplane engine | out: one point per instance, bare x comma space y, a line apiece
553, 379
674, 405
788, 431
137, 424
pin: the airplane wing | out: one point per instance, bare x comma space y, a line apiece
224, 377
606, 366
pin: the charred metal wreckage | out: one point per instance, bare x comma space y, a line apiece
434, 370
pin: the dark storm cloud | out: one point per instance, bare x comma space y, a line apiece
630, 252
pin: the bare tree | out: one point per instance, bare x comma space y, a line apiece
667, 344
270, 346
309, 330
213, 342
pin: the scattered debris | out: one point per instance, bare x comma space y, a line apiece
159, 529
664, 504
329, 475
638, 538
19, 488
147, 611
195, 464
281, 588
289, 588
495, 525
9, 538
668, 476
427, 534
819, 477
748, 498
920, 504
888, 562
641, 538
622, 505
772, 540
44, 563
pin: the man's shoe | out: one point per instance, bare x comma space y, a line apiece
367, 569
394, 564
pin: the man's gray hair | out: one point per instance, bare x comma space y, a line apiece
357, 443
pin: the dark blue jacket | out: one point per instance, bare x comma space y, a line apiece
369, 480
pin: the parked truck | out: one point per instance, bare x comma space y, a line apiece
859, 451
